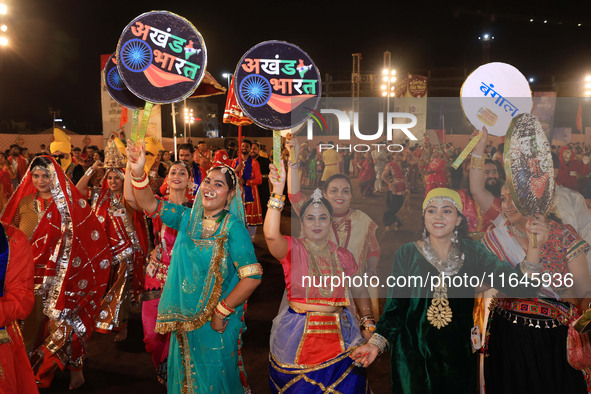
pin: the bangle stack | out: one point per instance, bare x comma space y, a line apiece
222, 310
368, 323
89, 172
140, 183
528, 268
276, 202
294, 165
477, 162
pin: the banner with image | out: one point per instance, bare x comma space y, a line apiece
415, 87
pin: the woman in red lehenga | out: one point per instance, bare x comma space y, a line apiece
436, 172
16, 303
127, 233
179, 176
72, 263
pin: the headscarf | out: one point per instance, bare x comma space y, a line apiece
444, 194
61, 143
221, 157
561, 156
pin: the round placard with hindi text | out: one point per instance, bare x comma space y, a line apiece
117, 88
277, 85
493, 95
161, 57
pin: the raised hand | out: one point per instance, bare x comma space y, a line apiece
277, 179
136, 156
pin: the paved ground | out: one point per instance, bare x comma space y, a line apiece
126, 368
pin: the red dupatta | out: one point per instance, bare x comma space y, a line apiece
71, 255
121, 235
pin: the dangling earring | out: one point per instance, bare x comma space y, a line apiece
424, 233
454, 237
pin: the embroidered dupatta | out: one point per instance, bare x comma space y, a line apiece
72, 261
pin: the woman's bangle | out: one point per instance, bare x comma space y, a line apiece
379, 341
475, 155
278, 196
139, 179
225, 305
365, 319
275, 204
142, 184
89, 172
222, 310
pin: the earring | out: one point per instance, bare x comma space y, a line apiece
454, 237
424, 233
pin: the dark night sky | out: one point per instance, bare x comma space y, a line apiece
56, 45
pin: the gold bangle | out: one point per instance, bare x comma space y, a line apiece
477, 163
275, 207
278, 196
275, 204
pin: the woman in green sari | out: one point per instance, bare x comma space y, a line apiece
212, 272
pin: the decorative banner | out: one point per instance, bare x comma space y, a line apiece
116, 87
277, 85
493, 95
161, 57
528, 166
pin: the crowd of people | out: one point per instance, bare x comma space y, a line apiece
87, 233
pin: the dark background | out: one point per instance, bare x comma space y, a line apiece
55, 45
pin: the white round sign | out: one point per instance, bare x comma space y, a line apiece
493, 95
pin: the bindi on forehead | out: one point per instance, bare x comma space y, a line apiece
216, 176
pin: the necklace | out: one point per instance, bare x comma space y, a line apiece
517, 232
320, 260
210, 224
439, 313
316, 248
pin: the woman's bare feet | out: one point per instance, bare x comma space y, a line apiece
76, 378
121, 335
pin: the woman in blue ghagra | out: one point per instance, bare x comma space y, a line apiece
212, 272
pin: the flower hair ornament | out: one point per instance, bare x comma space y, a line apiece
224, 168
